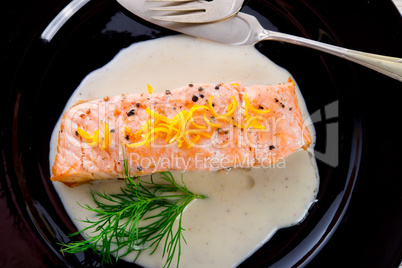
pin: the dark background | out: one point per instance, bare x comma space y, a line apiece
370, 233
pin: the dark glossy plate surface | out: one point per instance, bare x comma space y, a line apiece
356, 221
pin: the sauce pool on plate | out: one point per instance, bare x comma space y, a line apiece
244, 207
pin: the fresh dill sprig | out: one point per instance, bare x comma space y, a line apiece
140, 217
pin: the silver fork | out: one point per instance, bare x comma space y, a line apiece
245, 30
196, 11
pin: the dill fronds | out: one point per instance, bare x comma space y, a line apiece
125, 222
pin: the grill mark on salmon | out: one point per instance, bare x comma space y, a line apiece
269, 138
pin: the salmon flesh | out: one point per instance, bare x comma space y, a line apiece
202, 127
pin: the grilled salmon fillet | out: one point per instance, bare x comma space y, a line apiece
196, 127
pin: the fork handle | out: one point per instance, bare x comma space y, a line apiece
390, 66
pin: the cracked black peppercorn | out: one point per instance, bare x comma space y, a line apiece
221, 131
194, 98
131, 112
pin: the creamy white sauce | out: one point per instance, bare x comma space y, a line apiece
244, 208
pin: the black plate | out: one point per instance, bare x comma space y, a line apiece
357, 219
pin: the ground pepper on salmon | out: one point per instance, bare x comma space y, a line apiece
231, 125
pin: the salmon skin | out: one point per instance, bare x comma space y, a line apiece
196, 127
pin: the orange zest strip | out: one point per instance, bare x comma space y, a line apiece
107, 140
94, 140
127, 131
238, 125
191, 121
150, 89
249, 106
193, 109
137, 144
155, 115
84, 134
146, 139
252, 123
198, 132
212, 125
231, 107
193, 141
169, 131
180, 144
